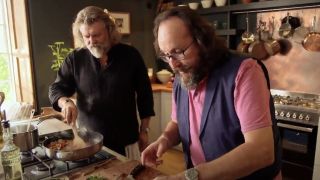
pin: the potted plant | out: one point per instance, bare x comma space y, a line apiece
59, 53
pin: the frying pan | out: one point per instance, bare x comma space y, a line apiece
312, 41
93, 140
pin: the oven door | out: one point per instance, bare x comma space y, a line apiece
298, 145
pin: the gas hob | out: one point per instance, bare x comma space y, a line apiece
302, 108
36, 165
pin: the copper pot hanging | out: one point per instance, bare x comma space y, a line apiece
312, 41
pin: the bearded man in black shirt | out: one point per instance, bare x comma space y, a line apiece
110, 80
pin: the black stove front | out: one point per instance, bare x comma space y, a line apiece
297, 117
36, 165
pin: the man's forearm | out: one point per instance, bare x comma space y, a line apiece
171, 134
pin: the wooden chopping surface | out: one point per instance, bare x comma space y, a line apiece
114, 169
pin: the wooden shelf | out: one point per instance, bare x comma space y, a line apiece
273, 5
226, 32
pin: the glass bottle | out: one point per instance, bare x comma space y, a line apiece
10, 154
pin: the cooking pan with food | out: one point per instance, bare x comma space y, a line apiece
66, 148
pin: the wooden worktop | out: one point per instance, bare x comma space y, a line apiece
162, 87
114, 168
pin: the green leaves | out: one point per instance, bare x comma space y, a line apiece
59, 53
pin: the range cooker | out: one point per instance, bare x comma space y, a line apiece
297, 117
36, 165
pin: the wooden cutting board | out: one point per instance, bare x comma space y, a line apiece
115, 170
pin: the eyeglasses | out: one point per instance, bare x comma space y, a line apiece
175, 55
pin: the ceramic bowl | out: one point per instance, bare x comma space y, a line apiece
193, 5
206, 3
164, 76
220, 2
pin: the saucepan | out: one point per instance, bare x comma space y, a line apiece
25, 136
93, 144
312, 40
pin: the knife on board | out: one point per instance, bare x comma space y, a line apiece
135, 171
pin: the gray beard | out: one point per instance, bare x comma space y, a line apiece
188, 82
193, 78
97, 52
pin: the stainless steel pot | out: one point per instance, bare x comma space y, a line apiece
26, 139
94, 141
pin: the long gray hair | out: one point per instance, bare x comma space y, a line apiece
88, 16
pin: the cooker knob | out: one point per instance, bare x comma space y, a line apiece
288, 114
301, 116
282, 114
294, 115
276, 113
307, 118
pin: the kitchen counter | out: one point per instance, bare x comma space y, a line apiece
114, 168
162, 87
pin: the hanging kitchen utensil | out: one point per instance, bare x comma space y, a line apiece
272, 46
285, 28
312, 40
257, 48
300, 32
264, 33
247, 37
293, 21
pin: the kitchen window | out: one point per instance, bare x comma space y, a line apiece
16, 78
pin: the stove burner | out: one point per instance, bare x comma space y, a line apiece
45, 166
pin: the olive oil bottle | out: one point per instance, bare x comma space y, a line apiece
10, 154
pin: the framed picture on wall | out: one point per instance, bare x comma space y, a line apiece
122, 20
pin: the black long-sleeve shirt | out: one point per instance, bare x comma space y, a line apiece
107, 97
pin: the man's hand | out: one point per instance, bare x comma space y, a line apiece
150, 156
69, 110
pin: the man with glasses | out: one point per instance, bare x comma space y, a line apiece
222, 109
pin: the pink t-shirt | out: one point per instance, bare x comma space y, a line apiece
250, 83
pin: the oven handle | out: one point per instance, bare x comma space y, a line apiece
299, 128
